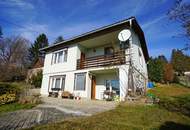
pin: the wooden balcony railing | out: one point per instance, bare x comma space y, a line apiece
116, 58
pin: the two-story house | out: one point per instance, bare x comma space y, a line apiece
89, 64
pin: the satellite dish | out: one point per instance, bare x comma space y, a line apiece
124, 35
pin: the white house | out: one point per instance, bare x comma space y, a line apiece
89, 64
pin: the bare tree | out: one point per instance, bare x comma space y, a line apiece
13, 57
181, 13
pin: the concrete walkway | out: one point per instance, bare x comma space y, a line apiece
85, 106
52, 110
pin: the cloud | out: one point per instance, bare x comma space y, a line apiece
153, 22
77, 29
32, 30
22, 4
93, 2
139, 8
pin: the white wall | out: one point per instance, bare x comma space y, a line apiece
45, 84
95, 52
100, 50
69, 83
100, 83
136, 46
123, 81
62, 67
123, 70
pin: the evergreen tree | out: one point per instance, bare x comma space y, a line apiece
180, 62
59, 39
163, 59
155, 70
34, 53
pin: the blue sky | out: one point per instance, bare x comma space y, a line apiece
69, 18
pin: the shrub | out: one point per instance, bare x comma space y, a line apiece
8, 93
36, 80
7, 98
33, 99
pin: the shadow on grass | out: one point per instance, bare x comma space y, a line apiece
180, 104
174, 126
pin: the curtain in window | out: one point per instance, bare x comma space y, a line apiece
63, 84
60, 57
65, 55
57, 82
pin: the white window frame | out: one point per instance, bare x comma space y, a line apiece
110, 84
55, 56
75, 84
53, 82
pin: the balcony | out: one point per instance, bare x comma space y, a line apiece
117, 58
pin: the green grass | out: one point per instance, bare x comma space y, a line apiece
173, 97
14, 106
19, 87
132, 116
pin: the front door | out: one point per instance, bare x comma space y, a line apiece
93, 89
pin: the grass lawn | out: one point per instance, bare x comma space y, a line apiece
14, 106
21, 86
129, 116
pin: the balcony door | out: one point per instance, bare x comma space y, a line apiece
108, 50
82, 59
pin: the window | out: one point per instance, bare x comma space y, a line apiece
108, 51
124, 45
59, 57
140, 57
113, 85
80, 80
57, 82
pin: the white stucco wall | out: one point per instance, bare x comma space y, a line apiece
123, 81
69, 69
136, 46
69, 83
95, 52
100, 83
62, 67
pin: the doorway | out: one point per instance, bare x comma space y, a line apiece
93, 89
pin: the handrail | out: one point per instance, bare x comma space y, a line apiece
102, 60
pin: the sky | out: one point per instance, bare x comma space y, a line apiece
68, 18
